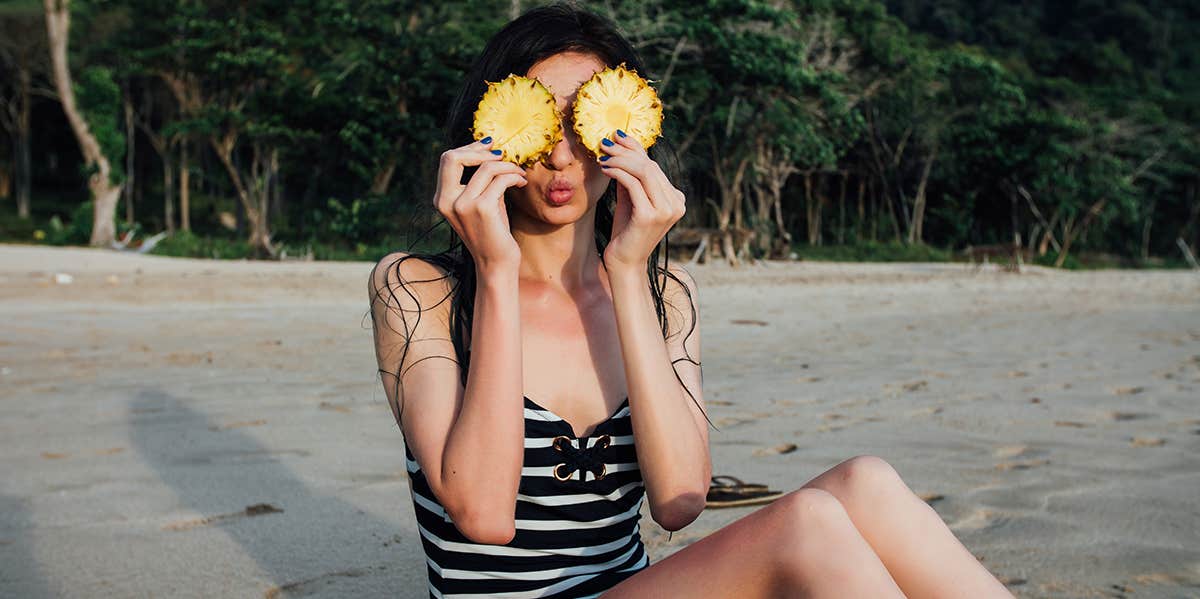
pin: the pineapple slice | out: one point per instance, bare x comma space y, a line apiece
522, 117
617, 98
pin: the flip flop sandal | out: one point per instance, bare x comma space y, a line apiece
735, 493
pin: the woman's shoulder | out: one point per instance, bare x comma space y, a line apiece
680, 279
426, 276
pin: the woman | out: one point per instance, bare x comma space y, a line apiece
555, 291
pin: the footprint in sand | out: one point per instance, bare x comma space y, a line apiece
315, 585
930, 411
1128, 390
1008, 452
981, 518
732, 421
909, 386
258, 509
777, 450
1168, 578
761, 323
1147, 441
1126, 416
1021, 464
233, 425
1071, 424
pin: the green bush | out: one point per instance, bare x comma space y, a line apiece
1071, 263
76, 231
15, 228
186, 244
871, 251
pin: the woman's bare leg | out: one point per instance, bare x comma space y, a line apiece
800, 545
916, 546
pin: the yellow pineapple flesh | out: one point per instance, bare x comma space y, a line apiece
521, 116
617, 98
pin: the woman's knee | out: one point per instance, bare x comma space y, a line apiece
812, 530
865, 476
805, 514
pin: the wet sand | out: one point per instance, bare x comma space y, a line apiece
192, 428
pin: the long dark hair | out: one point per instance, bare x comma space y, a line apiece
537, 34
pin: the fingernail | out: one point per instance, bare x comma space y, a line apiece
603, 166
497, 152
486, 140
621, 133
605, 157
606, 141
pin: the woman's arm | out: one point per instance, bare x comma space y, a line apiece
469, 442
669, 430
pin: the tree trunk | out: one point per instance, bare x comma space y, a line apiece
809, 209
276, 189
892, 215
22, 163
784, 236
130, 167
862, 188
254, 206
383, 178
842, 209
185, 221
874, 195
105, 194
168, 163
731, 200
1070, 232
918, 216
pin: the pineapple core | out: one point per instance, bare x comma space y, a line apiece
617, 98
521, 116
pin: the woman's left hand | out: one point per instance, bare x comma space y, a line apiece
647, 204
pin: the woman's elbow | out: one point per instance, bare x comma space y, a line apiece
681, 510
487, 526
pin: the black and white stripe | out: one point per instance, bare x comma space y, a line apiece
574, 538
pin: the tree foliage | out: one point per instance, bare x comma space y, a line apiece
1058, 125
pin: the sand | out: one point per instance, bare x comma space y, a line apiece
192, 428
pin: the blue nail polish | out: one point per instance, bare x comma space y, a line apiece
606, 141
497, 152
604, 166
621, 133
486, 140
603, 158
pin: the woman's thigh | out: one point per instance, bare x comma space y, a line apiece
803, 540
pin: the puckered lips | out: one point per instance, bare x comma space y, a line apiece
560, 191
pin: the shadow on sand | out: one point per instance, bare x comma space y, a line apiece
306, 543
20, 574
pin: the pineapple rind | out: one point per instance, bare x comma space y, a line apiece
609, 93
522, 117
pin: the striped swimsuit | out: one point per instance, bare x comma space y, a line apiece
577, 518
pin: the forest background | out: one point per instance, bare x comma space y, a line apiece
836, 129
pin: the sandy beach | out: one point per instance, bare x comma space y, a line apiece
191, 428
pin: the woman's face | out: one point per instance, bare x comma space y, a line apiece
564, 186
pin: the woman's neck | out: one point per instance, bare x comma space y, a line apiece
563, 256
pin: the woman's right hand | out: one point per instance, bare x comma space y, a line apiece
476, 210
